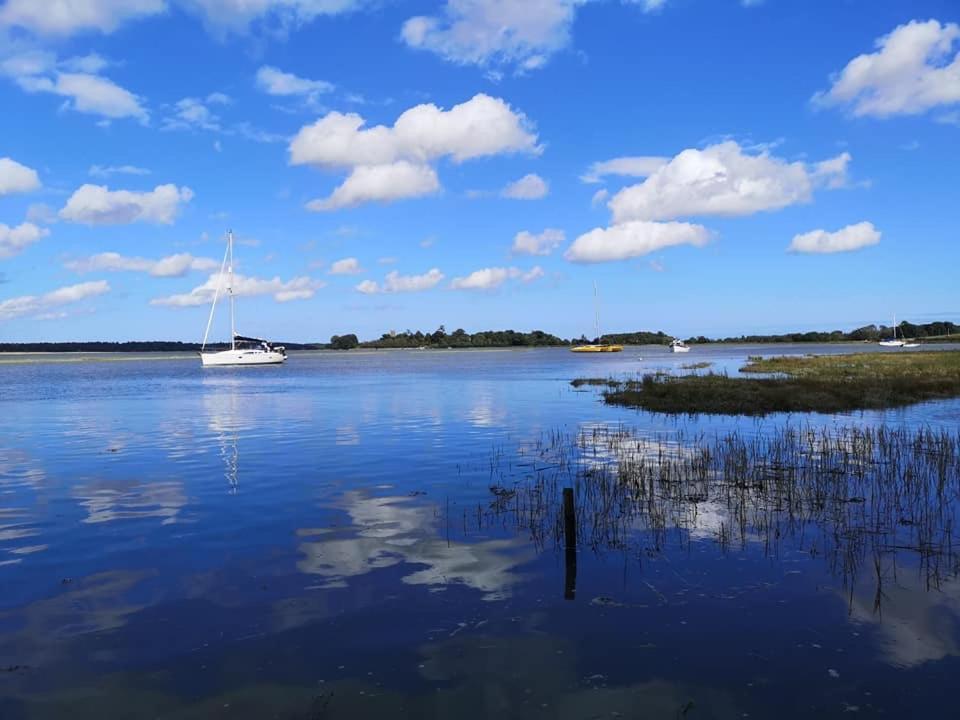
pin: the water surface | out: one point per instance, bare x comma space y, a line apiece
335, 538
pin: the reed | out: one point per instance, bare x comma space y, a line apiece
852, 496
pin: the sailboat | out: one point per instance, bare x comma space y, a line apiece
597, 347
894, 341
679, 346
243, 350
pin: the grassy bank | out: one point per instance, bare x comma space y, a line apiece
823, 383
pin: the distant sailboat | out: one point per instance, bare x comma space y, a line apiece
597, 347
243, 350
894, 341
679, 346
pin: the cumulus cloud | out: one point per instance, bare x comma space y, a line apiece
36, 305
630, 166
724, 180
98, 205
529, 187
914, 69
298, 288
388, 163
380, 183
105, 171
395, 282
852, 237
481, 126
85, 92
492, 278
171, 266
17, 178
633, 239
527, 243
66, 17
346, 266
13, 240
194, 113
274, 81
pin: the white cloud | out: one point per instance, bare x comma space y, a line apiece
492, 278
346, 266
600, 196
485, 279
13, 240
633, 239
65, 17
86, 92
395, 282
170, 266
723, 180
529, 187
274, 81
91, 63
630, 166
526, 243
482, 32
191, 112
34, 305
915, 68
389, 163
98, 205
479, 127
17, 178
236, 16
852, 237
534, 273
104, 171
41, 213
381, 183
298, 288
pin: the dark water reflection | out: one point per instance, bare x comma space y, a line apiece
321, 540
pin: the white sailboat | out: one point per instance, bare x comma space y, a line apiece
243, 350
679, 346
894, 341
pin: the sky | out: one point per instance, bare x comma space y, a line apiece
714, 167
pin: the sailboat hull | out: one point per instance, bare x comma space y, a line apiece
892, 343
596, 348
242, 357
680, 348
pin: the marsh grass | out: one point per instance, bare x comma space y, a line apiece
821, 383
860, 498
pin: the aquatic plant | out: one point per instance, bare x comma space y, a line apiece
858, 497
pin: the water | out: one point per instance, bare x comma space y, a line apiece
321, 540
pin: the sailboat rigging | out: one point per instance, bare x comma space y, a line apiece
597, 346
243, 350
894, 341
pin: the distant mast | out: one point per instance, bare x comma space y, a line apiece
596, 311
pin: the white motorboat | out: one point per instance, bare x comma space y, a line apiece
893, 342
679, 346
243, 350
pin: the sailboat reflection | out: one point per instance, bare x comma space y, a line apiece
227, 419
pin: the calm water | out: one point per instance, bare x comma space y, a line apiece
321, 540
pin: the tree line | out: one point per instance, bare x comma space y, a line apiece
460, 338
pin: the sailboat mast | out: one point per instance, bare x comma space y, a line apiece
596, 310
233, 324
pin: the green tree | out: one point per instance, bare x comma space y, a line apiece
344, 342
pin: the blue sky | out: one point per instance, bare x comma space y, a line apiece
716, 166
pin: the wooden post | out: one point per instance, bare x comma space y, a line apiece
570, 542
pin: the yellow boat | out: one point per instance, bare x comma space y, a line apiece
597, 347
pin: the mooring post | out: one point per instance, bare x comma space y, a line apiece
570, 542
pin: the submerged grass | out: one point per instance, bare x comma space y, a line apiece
861, 498
813, 383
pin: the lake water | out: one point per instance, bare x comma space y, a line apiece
343, 537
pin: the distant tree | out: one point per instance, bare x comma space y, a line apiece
344, 342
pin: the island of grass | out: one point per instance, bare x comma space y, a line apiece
812, 383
